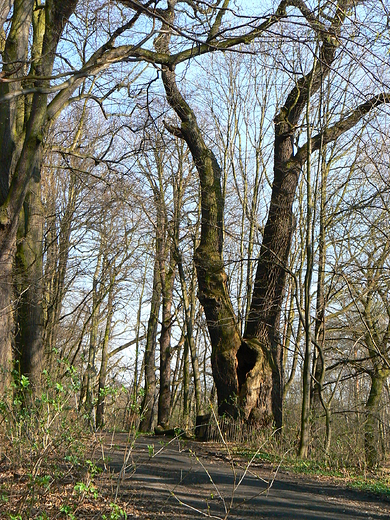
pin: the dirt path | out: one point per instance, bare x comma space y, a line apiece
183, 480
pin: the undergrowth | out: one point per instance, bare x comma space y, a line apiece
46, 453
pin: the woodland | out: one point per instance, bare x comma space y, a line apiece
195, 222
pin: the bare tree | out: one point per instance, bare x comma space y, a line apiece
248, 370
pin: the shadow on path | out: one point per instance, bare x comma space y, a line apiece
180, 480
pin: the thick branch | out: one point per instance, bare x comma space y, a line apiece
334, 132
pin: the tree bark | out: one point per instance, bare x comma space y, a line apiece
23, 123
167, 274
86, 397
101, 397
6, 319
189, 320
371, 427
28, 276
11, 142
147, 417
57, 253
212, 288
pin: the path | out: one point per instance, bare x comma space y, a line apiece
185, 480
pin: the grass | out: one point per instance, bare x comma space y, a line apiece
376, 482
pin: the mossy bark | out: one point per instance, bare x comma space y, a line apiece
371, 427
167, 274
6, 320
28, 276
23, 124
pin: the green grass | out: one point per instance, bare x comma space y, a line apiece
378, 485
350, 477
313, 467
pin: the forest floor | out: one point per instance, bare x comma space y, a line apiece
182, 479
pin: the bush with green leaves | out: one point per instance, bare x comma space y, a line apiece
44, 441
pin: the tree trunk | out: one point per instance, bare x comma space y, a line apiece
11, 142
167, 283
28, 276
86, 397
6, 316
23, 123
101, 397
319, 367
371, 428
268, 293
248, 372
57, 249
212, 289
186, 385
189, 318
147, 419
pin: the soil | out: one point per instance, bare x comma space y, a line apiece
168, 478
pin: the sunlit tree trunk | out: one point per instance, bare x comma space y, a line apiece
101, 396
189, 310
167, 274
372, 414
186, 384
57, 253
86, 396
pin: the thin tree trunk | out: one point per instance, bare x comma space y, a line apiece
297, 341
56, 267
86, 397
186, 385
306, 369
167, 283
319, 367
101, 397
136, 378
150, 354
189, 317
